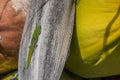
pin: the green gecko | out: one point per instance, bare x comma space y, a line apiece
33, 44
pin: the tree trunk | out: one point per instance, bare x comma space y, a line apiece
56, 18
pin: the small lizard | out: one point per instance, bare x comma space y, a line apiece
33, 44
